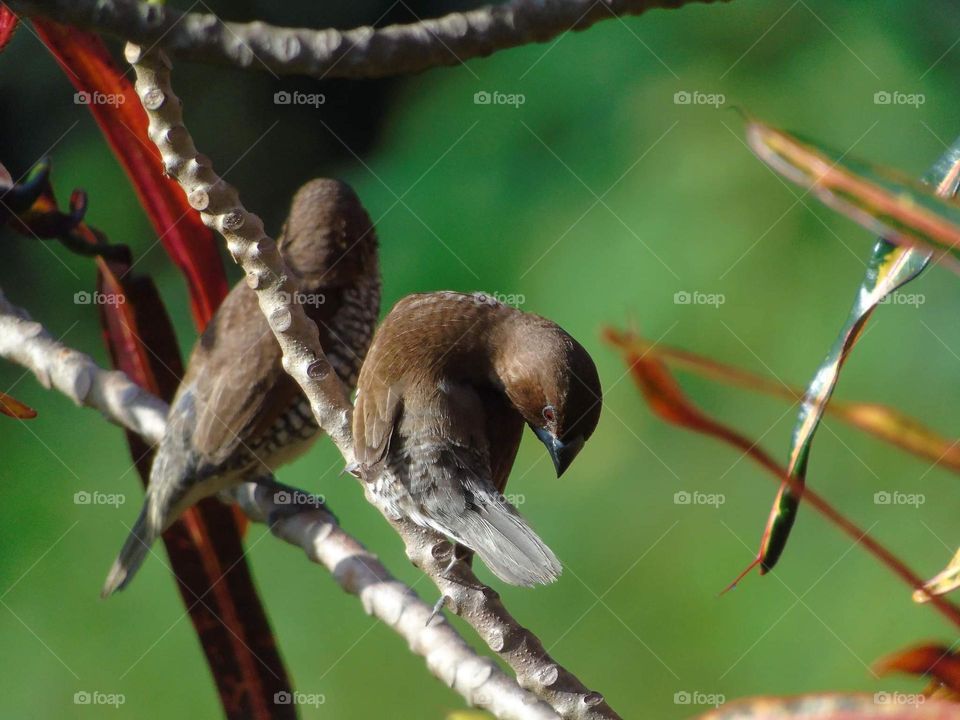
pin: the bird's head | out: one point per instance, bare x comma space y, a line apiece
328, 238
552, 382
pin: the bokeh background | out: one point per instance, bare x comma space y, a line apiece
505, 199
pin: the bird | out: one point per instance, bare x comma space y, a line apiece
237, 415
446, 388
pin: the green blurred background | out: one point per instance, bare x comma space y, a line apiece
504, 199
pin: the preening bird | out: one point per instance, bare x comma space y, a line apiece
237, 415
444, 393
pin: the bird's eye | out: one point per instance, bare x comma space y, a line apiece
549, 414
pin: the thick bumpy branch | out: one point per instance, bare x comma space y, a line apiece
309, 527
362, 52
304, 360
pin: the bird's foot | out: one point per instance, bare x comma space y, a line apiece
437, 607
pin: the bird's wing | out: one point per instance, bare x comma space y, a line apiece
376, 415
239, 389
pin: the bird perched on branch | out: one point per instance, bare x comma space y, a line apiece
237, 415
444, 393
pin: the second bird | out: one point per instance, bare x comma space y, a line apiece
447, 386
237, 415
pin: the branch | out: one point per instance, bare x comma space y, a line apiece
311, 528
304, 360
363, 52
77, 376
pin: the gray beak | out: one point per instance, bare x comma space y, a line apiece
562, 453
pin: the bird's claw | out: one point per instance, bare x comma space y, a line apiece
437, 607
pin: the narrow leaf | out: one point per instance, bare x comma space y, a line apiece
882, 421
11, 407
670, 403
8, 24
941, 583
114, 104
934, 661
903, 211
890, 205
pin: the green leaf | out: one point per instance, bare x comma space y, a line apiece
901, 210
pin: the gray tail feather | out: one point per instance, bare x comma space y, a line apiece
506, 543
133, 553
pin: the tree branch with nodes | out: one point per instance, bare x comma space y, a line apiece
304, 359
363, 52
308, 526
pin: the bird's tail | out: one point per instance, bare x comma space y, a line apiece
505, 542
144, 533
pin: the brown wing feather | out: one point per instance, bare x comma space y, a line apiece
229, 392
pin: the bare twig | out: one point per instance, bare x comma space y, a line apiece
304, 360
362, 52
311, 528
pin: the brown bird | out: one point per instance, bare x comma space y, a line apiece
237, 415
444, 392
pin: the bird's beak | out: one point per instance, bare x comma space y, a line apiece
562, 453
